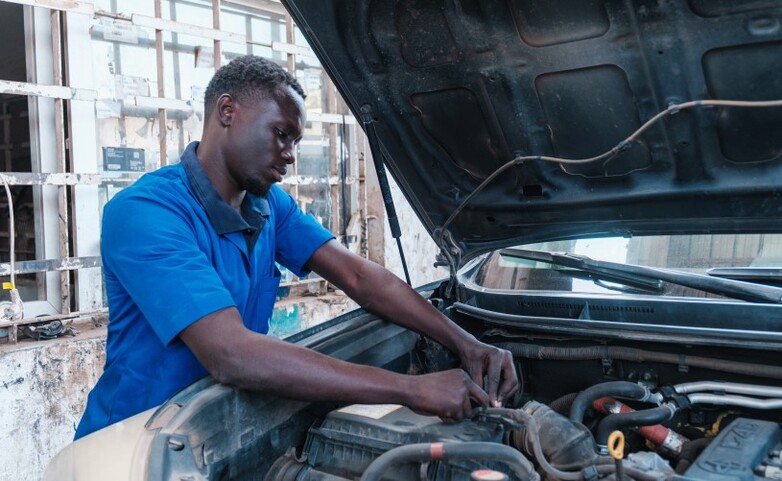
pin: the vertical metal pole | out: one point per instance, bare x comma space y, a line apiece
7, 137
330, 106
177, 68
59, 129
216, 24
343, 181
291, 64
362, 204
161, 85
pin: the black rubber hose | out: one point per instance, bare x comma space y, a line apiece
644, 417
477, 451
562, 404
532, 351
690, 452
584, 399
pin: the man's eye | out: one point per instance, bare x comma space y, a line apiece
281, 134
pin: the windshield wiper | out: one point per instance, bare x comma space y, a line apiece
758, 275
746, 291
626, 284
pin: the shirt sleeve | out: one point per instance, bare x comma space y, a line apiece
298, 235
152, 250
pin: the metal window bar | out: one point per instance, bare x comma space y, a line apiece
161, 81
59, 129
291, 64
218, 60
74, 6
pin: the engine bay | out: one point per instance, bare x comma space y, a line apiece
589, 408
708, 430
649, 407
351, 440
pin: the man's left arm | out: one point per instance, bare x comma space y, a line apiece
378, 290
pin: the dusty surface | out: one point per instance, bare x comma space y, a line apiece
43, 389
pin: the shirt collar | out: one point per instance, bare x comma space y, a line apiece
224, 219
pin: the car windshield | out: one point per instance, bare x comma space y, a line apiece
756, 258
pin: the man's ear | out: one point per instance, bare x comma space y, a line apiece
225, 109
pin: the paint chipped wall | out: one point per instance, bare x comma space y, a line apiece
43, 389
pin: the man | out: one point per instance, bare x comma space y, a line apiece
188, 254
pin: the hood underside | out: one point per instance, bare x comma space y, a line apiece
455, 89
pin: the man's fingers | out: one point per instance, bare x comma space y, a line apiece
493, 377
476, 373
510, 383
477, 394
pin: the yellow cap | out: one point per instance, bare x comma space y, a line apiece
616, 445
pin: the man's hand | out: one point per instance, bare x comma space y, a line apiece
495, 365
447, 394
381, 292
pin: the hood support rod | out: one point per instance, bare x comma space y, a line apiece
385, 188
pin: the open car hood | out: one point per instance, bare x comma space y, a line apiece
456, 89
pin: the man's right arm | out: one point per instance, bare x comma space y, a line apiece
236, 356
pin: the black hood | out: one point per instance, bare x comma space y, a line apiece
455, 89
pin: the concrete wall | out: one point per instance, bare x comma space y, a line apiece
43, 389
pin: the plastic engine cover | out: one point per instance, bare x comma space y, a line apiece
739, 453
349, 439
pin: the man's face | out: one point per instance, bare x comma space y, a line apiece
262, 138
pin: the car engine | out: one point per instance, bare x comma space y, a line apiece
588, 408
535, 442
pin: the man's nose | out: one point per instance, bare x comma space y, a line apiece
289, 155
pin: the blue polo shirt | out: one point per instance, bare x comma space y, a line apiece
173, 252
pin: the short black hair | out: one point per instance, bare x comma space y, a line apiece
248, 76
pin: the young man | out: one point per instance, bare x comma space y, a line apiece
189, 251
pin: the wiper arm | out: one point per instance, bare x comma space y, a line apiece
596, 275
619, 284
757, 275
725, 287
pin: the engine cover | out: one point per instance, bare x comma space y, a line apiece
741, 452
349, 439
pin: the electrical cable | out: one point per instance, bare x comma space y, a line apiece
11, 229
609, 154
13, 310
